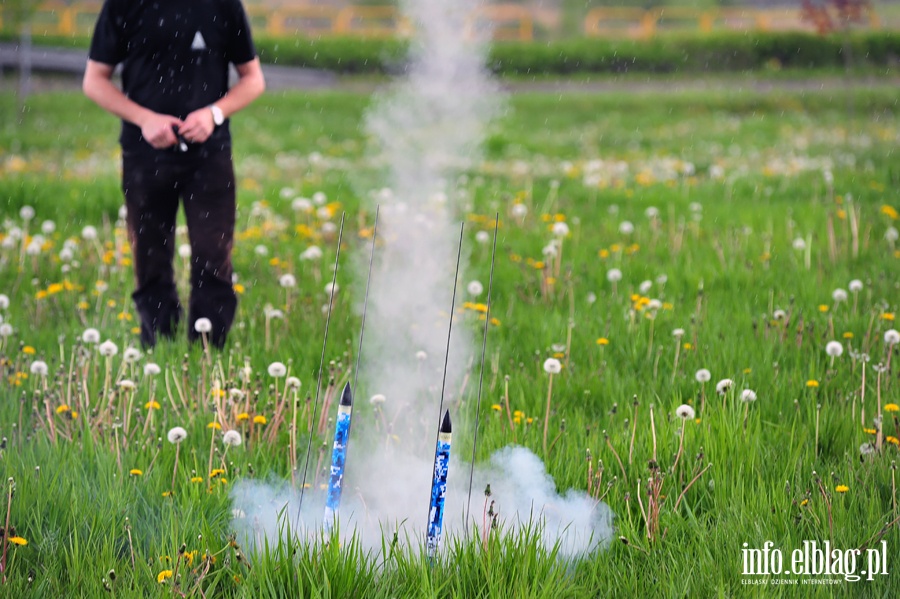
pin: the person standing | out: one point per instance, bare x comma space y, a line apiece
175, 103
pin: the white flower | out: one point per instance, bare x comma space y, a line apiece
277, 369
273, 313
560, 229
550, 251
235, 394
151, 369
654, 304
779, 314
678, 333
482, 237
626, 227
519, 210
287, 280
313, 252
685, 412
176, 435
39, 367
332, 288
377, 399
661, 279
645, 286
4, 301
723, 386
421, 356
108, 349
184, 250
834, 349
232, 438
329, 228
127, 384
319, 198
66, 255
286, 192
866, 449
203, 325
799, 244
6, 329
261, 250
475, 288
26, 212
891, 337
891, 234
651, 212
591, 297
89, 233
131, 354
301, 205
748, 395
552, 366
91, 336
702, 375
48, 227
613, 275
292, 382
324, 213
855, 285
839, 295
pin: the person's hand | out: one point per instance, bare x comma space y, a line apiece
198, 126
157, 130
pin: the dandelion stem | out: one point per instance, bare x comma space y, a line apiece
175, 469
633, 432
689, 485
653, 431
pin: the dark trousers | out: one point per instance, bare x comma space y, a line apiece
153, 186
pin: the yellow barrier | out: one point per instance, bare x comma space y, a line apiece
506, 21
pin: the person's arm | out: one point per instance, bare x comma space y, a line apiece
98, 86
199, 125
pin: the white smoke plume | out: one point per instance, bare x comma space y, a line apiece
429, 126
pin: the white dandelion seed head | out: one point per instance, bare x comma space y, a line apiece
101, 286
292, 382
232, 438
33, 248
286, 192
651, 212
626, 227
482, 237
277, 369
287, 280
748, 395
319, 198
678, 333
151, 369
891, 337
377, 399
552, 366
654, 304
685, 412
131, 355
235, 394
834, 349
273, 313
328, 228
591, 297
421, 356
332, 288
475, 288
891, 234
261, 250
127, 384
839, 295
26, 212
614, 275
560, 229
6, 329
645, 286
39, 367
108, 348
799, 244
66, 255
550, 251
324, 213
184, 250
703, 375
4, 301
176, 435
301, 205
855, 285
89, 233
203, 325
661, 279
779, 314
519, 210
313, 252
723, 386
48, 227
866, 449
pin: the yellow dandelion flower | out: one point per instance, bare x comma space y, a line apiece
495, 321
869, 431
688, 346
216, 472
602, 341
812, 383
243, 416
124, 316
891, 407
163, 576
559, 355
54, 288
538, 264
748, 370
496, 407
152, 405
214, 425
529, 420
615, 247
519, 413
848, 335
28, 350
196, 479
842, 488
893, 440
111, 303
238, 288
83, 305
73, 414
890, 211
888, 316
40, 294
259, 419
135, 330
18, 541
668, 306
604, 254
136, 472
274, 261
62, 408
823, 308
189, 557
223, 481
804, 502
167, 493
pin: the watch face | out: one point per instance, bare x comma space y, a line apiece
218, 117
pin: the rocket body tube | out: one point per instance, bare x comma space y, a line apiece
338, 458
439, 487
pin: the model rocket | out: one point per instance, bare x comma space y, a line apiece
338, 458
439, 487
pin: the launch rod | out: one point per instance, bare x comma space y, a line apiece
337, 257
362, 327
487, 321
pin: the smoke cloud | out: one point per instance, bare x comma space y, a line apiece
428, 127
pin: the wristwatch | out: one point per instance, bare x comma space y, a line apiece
218, 116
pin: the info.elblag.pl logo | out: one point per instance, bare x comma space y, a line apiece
812, 559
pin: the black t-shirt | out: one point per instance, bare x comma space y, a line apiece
175, 56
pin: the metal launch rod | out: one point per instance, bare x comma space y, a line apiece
362, 327
487, 321
337, 257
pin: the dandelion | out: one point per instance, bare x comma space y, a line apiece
131, 355
377, 399
891, 337
259, 419
90, 336
799, 244
214, 426
748, 395
332, 289
152, 405
287, 281
475, 288
703, 375
18, 541
779, 315
292, 382
602, 341
560, 229
203, 325
89, 233
108, 349
4, 301
723, 386
39, 368
151, 369
626, 227
678, 333
163, 576
127, 385
6, 329
184, 250
842, 488
176, 435
136, 472
277, 369
232, 438
812, 383
685, 412
891, 407
839, 295
311, 253
519, 211
551, 367
834, 349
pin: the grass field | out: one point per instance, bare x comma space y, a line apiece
734, 220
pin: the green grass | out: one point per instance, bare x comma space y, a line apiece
726, 274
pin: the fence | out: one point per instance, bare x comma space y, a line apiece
506, 21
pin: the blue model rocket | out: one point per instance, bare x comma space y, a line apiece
338, 458
439, 487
